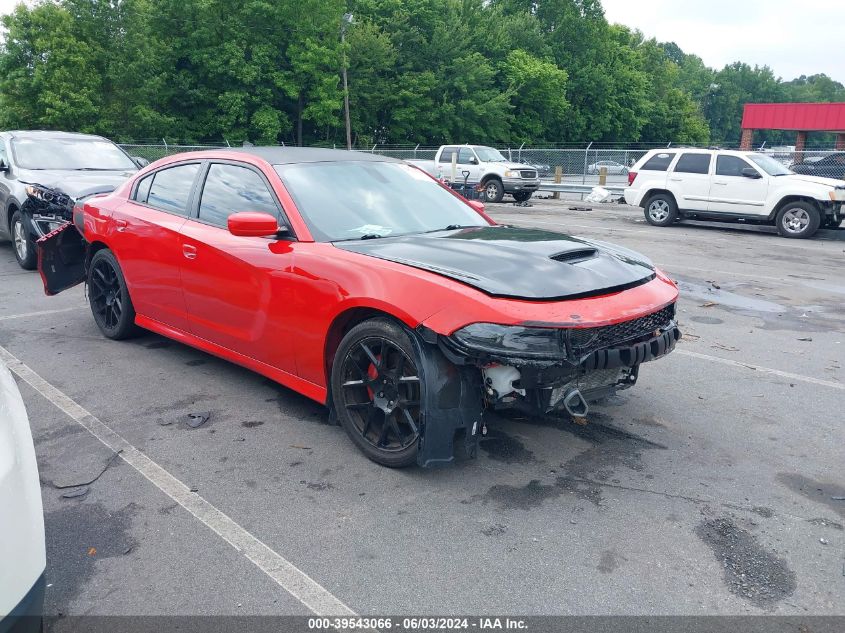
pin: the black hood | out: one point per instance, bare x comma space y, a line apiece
520, 263
75, 183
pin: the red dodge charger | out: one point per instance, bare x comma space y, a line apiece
363, 283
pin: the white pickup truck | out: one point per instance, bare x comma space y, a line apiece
733, 186
486, 166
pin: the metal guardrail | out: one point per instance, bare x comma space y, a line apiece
565, 187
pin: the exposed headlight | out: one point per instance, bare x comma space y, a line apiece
510, 173
513, 340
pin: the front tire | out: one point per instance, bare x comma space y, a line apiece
377, 391
522, 196
109, 297
661, 210
798, 220
494, 191
22, 241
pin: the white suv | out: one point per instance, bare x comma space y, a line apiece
729, 186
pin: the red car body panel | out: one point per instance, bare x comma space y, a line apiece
270, 304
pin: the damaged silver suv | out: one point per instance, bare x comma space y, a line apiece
36, 167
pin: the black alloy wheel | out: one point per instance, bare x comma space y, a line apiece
376, 389
109, 298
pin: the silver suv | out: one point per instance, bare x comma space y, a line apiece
79, 165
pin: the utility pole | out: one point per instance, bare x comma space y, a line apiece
346, 21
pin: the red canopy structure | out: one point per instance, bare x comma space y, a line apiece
799, 117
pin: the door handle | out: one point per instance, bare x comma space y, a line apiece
719, 182
120, 225
190, 252
676, 179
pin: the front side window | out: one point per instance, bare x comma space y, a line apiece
171, 188
71, 154
693, 164
768, 164
348, 200
730, 166
229, 189
658, 162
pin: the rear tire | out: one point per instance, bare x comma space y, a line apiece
24, 246
798, 220
661, 210
494, 191
109, 297
522, 196
377, 392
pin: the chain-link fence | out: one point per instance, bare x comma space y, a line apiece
579, 165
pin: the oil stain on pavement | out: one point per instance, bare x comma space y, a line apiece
96, 533
751, 572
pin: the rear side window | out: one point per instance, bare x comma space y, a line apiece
730, 166
446, 154
143, 190
693, 164
229, 189
658, 162
171, 188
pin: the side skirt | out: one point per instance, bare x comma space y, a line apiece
305, 387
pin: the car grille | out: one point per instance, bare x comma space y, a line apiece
586, 340
528, 173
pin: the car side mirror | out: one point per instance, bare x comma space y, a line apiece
473, 161
140, 161
4, 166
254, 224
477, 205
750, 172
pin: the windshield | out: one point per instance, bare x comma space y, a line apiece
769, 164
490, 155
70, 153
350, 200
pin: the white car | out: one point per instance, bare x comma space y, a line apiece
23, 557
611, 165
732, 186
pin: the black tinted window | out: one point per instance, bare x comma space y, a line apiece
171, 188
730, 166
143, 190
693, 163
658, 162
229, 189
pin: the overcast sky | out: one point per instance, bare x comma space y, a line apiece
792, 37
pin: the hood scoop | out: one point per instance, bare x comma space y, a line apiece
575, 256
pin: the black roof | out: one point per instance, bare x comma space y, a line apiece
284, 155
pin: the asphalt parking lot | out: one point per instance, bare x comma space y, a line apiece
715, 486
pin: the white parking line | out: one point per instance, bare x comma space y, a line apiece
289, 577
765, 370
41, 313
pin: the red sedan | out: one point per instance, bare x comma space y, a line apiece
364, 284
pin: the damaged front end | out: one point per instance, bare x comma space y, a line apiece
539, 370
55, 220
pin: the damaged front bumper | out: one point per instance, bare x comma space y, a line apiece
585, 365
55, 221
